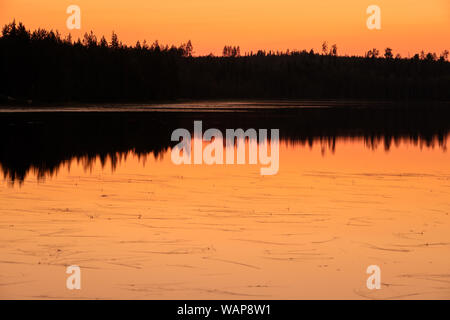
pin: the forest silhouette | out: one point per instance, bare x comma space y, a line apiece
42, 67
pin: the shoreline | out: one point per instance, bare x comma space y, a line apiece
219, 105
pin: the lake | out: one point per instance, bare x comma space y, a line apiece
357, 186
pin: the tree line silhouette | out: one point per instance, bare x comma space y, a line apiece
42, 67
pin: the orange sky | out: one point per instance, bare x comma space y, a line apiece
408, 26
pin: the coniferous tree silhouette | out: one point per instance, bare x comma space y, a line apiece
41, 66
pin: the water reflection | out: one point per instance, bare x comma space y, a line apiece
42, 143
357, 189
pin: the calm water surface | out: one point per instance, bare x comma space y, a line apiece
146, 228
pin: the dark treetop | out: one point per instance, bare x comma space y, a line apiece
41, 67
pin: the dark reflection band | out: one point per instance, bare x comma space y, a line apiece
42, 142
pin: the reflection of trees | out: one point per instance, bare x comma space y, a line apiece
43, 142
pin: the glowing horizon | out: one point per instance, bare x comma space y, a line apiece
408, 26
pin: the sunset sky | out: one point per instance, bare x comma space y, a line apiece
408, 26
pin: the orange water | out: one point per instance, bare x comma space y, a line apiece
152, 230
